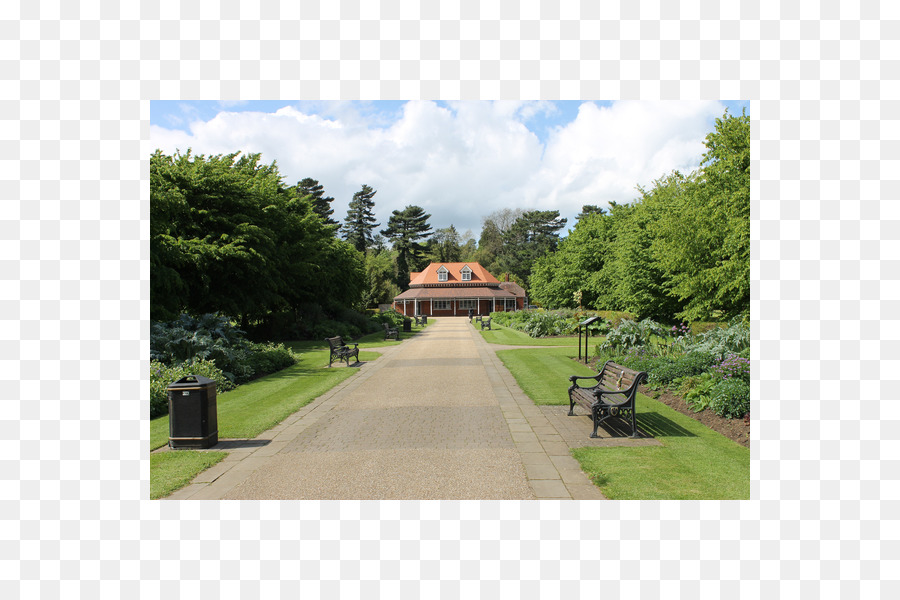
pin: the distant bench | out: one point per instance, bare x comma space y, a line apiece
486, 323
391, 332
421, 320
612, 395
341, 351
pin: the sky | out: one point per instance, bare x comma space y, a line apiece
459, 160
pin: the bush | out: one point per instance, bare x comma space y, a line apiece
730, 398
733, 367
721, 341
391, 317
692, 363
263, 359
631, 334
161, 376
545, 324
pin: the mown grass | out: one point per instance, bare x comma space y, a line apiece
543, 374
170, 471
511, 337
693, 463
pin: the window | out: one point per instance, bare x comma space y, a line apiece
467, 304
466, 273
442, 273
440, 305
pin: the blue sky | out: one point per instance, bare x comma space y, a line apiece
460, 161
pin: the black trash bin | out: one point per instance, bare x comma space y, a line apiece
193, 422
407, 324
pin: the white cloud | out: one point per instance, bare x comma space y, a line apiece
462, 161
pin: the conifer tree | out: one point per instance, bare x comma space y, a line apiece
360, 220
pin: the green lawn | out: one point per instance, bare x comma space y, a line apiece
693, 463
543, 374
170, 471
511, 337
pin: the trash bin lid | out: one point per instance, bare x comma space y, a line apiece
191, 381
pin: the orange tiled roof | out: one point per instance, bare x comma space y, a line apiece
454, 292
454, 274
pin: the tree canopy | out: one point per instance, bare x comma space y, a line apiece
682, 249
227, 236
405, 229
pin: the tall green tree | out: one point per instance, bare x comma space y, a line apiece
702, 235
321, 204
444, 245
531, 236
584, 262
360, 221
405, 229
227, 236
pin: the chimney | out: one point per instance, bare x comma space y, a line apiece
507, 278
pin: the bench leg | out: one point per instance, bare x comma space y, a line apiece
595, 415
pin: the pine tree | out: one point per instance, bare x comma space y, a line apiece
320, 203
360, 220
405, 229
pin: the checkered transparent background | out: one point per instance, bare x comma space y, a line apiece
74, 298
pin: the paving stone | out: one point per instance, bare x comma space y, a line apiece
550, 488
541, 472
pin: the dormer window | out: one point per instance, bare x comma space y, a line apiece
442, 273
466, 273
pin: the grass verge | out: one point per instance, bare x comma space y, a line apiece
170, 471
693, 463
543, 374
512, 337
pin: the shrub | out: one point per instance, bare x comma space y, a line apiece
631, 334
722, 341
263, 359
391, 317
208, 336
161, 376
733, 367
545, 324
692, 363
730, 398
696, 390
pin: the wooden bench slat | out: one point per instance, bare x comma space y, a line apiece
613, 394
339, 350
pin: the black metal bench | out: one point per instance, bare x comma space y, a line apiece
421, 320
391, 332
612, 395
486, 323
341, 351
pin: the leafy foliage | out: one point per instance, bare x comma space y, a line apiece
212, 337
730, 398
681, 249
162, 375
692, 363
631, 334
226, 236
722, 341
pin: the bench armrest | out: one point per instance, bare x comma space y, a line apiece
573, 378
